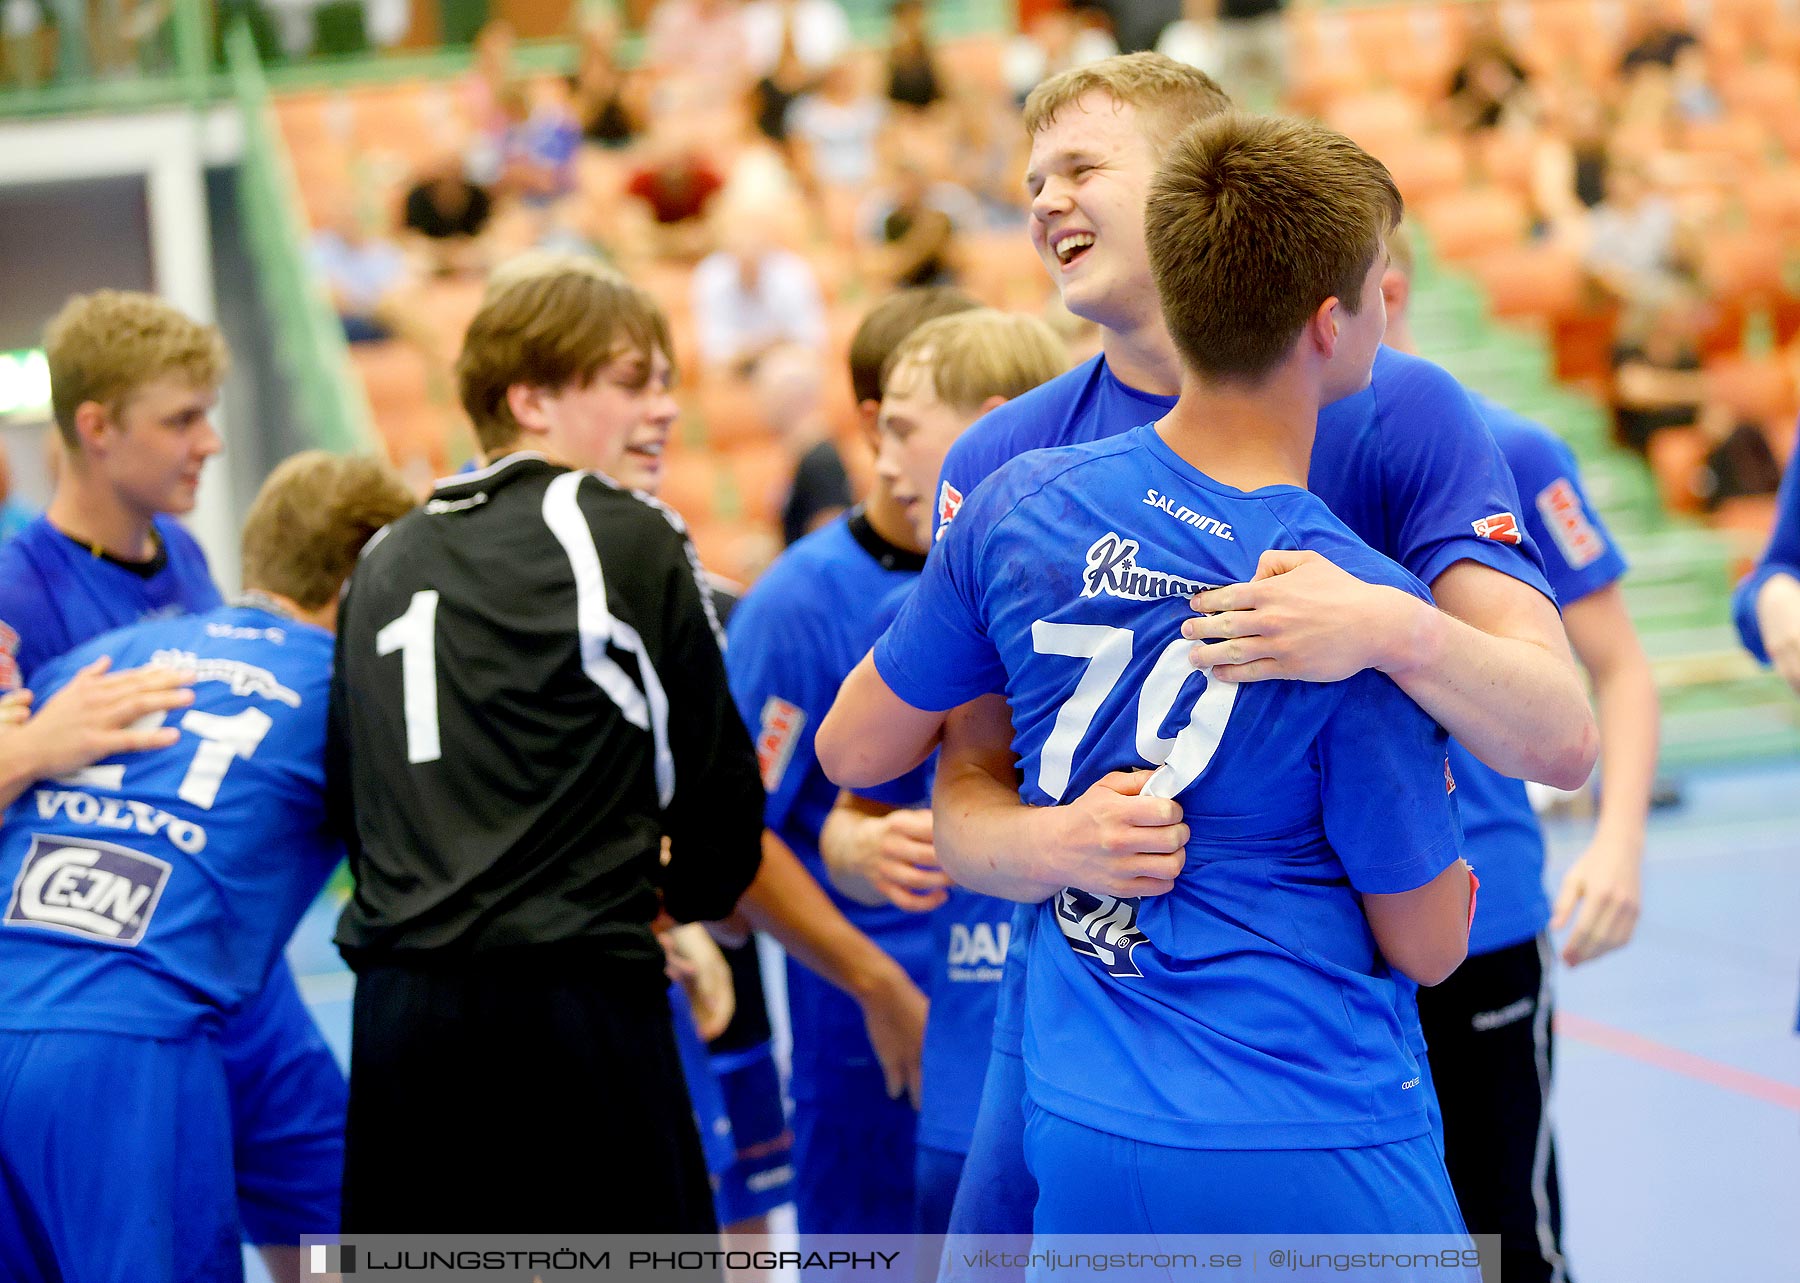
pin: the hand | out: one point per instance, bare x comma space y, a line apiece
695, 963
15, 707
894, 1014
886, 858
1778, 614
95, 716
1607, 884
1116, 842
1302, 617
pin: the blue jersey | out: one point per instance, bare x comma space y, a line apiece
151, 894
1407, 464
1500, 831
1781, 557
791, 643
1249, 1007
56, 594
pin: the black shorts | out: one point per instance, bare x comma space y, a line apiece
1489, 1033
539, 1094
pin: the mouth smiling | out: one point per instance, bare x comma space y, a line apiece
1071, 245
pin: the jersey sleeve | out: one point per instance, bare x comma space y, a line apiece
1782, 557
1388, 797
915, 786
779, 696
937, 655
1449, 493
713, 816
969, 461
1580, 556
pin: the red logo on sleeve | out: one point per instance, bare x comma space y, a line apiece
1502, 527
949, 504
1560, 506
1449, 779
9, 659
775, 739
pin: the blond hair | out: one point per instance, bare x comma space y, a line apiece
103, 346
889, 322
1167, 94
1400, 248
534, 263
971, 356
1253, 222
311, 519
550, 330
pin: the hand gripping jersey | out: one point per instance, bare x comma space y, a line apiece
1500, 831
151, 894
1781, 557
1249, 1007
1406, 463
56, 593
529, 688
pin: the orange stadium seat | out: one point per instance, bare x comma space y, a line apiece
1427, 167
1530, 282
1475, 221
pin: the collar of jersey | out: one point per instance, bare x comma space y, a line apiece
888, 555
1152, 440
493, 469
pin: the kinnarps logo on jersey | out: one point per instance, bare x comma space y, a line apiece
1112, 569
90, 889
1101, 928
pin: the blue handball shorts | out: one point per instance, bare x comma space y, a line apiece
761, 1176
853, 1154
288, 1098
710, 1118
115, 1160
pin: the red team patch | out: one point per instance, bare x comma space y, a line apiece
9, 659
1502, 527
1575, 535
949, 504
775, 738
1449, 779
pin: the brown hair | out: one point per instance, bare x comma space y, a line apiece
972, 356
311, 519
103, 346
550, 330
1169, 95
1252, 223
890, 321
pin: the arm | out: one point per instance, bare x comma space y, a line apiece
90, 719
879, 854
1766, 606
871, 735
1492, 664
1607, 881
786, 902
1424, 934
1110, 840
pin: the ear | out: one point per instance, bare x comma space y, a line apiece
528, 410
868, 420
992, 403
93, 422
1322, 328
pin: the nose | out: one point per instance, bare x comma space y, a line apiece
887, 459
665, 409
208, 442
1052, 199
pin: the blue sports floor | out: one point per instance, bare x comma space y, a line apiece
1678, 1076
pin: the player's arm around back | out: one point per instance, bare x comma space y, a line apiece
91, 718
1766, 606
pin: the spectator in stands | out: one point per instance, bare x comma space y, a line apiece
446, 214
702, 43
912, 77
819, 29
675, 187
1657, 36
833, 130
481, 93
604, 92
916, 223
1056, 40
1570, 163
752, 296
365, 274
1656, 369
542, 137
1251, 40
14, 516
1633, 244
789, 395
1490, 85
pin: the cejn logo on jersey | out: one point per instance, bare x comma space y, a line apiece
1502, 527
950, 503
776, 737
94, 890
1101, 928
1112, 569
1575, 535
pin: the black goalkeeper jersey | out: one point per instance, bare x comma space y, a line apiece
528, 696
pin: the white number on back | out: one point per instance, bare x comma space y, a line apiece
414, 635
